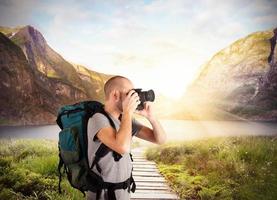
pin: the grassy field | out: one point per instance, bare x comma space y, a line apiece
28, 170
218, 168
243, 168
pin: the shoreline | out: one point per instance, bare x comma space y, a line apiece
161, 119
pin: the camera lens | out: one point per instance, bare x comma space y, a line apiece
150, 95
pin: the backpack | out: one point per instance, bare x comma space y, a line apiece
73, 145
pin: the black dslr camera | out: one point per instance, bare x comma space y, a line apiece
144, 96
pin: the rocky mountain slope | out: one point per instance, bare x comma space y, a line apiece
265, 97
18, 86
238, 83
228, 84
34, 74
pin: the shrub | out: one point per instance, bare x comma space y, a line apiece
220, 168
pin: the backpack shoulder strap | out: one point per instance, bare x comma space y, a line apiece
109, 118
103, 149
116, 155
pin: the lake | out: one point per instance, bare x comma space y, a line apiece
175, 129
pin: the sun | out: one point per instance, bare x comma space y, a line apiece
169, 83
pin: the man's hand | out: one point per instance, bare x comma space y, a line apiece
130, 102
156, 134
147, 111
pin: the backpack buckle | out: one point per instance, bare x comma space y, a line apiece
125, 185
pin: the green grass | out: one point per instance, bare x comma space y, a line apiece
28, 170
220, 168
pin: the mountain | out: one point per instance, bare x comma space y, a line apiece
36, 80
92, 81
52, 81
266, 95
19, 90
237, 83
227, 85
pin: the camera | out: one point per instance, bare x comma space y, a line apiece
144, 96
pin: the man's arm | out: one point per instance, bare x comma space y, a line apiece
121, 141
156, 134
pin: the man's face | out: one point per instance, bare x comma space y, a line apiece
127, 86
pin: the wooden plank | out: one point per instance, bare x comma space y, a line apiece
154, 187
141, 160
138, 157
145, 166
151, 185
144, 170
152, 196
153, 191
144, 162
148, 193
146, 174
149, 179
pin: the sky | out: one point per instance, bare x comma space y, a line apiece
159, 45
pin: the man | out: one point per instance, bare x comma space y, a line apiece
120, 101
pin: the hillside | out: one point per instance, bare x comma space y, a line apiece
52, 81
19, 89
229, 82
237, 83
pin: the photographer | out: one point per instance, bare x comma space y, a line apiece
121, 102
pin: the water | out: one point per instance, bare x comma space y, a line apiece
175, 129
187, 130
35, 132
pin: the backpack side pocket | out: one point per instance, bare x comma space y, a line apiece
69, 145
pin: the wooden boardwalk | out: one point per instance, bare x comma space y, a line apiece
151, 185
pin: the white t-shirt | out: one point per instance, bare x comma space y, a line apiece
112, 171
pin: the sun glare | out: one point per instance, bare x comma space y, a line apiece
170, 82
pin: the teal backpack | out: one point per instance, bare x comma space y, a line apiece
73, 145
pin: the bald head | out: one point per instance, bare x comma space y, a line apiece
116, 83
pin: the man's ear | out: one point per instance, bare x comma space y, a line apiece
116, 95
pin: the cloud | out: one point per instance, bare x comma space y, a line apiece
264, 14
266, 19
16, 13
121, 36
150, 34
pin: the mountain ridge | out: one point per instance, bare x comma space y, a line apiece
237, 83
55, 81
230, 79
